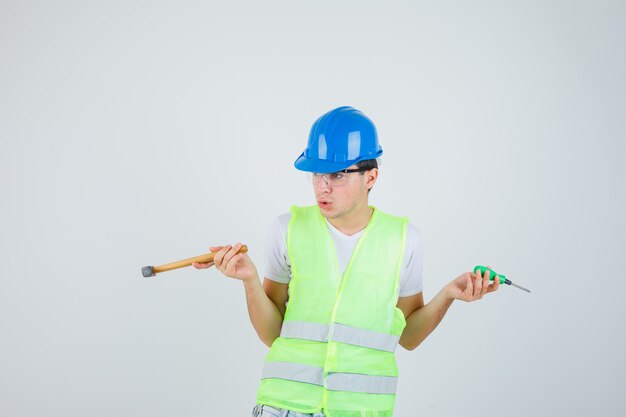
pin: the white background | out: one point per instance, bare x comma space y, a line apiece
137, 133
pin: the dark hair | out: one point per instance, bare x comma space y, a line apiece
367, 164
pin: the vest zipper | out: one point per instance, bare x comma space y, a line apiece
330, 348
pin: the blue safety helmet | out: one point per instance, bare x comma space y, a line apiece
340, 138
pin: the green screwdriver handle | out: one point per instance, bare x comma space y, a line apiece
492, 274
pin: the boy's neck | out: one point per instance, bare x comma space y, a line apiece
354, 223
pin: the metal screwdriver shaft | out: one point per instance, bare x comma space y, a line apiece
520, 287
493, 274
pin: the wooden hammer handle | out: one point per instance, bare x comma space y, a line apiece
207, 257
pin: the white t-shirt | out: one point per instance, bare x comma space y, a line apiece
278, 268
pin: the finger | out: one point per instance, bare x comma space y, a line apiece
478, 285
202, 265
218, 259
486, 279
215, 248
229, 255
233, 262
496, 284
469, 286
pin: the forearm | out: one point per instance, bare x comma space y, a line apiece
264, 314
424, 320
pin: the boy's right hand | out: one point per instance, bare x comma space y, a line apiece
230, 263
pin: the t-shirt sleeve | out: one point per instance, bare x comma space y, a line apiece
277, 267
411, 281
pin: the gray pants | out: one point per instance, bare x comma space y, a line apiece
267, 411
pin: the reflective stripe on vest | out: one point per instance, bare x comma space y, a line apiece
340, 333
294, 372
304, 330
365, 338
369, 384
335, 381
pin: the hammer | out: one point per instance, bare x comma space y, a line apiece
151, 271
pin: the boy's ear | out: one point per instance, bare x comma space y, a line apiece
371, 177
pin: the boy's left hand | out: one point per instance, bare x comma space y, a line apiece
471, 286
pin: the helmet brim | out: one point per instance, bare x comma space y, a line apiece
322, 166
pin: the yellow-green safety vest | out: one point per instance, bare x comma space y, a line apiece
335, 352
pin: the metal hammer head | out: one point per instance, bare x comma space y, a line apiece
148, 271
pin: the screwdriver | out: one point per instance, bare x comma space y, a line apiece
492, 275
